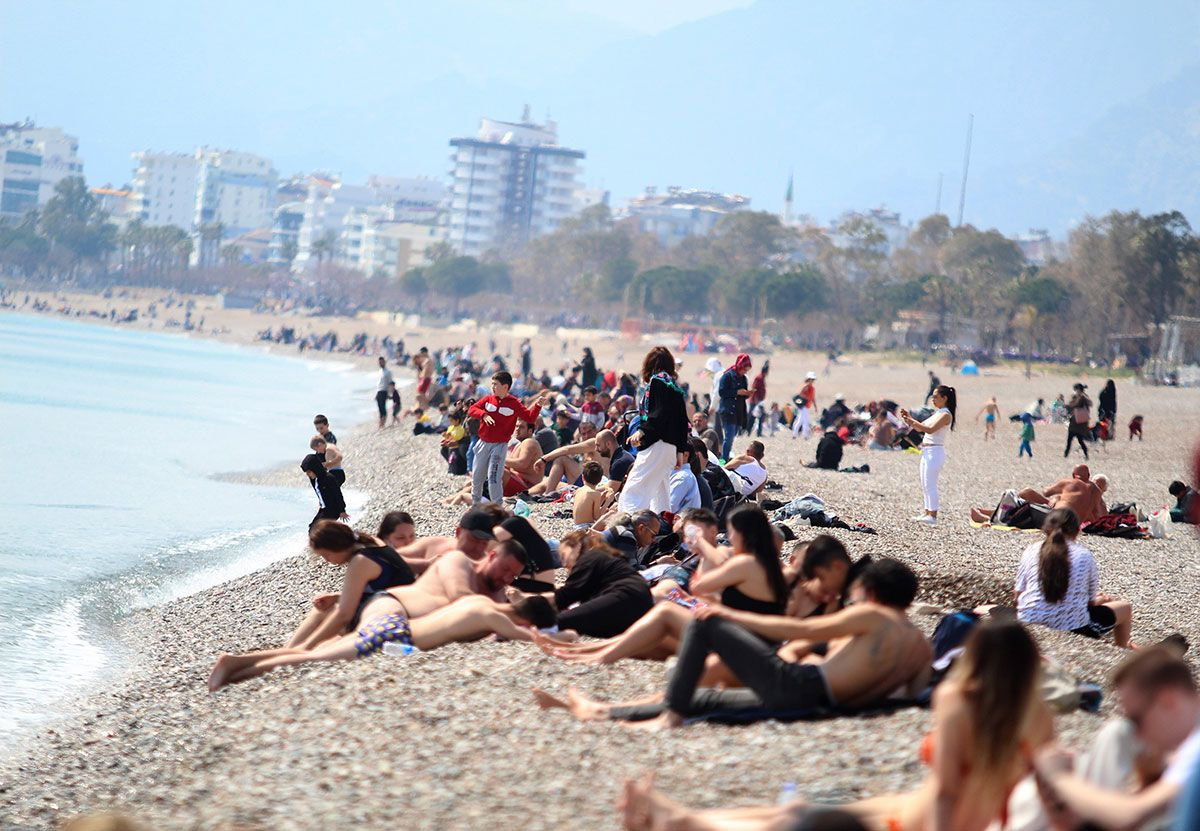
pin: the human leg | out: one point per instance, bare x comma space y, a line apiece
648, 478
932, 460
1123, 630
381, 405
727, 437
232, 669
664, 620
495, 472
309, 625
466, 619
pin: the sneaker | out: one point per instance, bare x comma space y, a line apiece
924, 519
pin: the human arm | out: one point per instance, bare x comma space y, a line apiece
931, 425
1109, 809
711, 555
359, 572
587, 446
952, 727
333, 457
530, 415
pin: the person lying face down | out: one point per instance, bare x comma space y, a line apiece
455, 600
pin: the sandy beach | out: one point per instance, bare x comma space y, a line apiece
452, 738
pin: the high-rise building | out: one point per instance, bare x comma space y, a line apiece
510, 183
32, 161
164, 188
681, 212
234, 189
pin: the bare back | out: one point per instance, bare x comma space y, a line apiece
892, 657
451, 577
1081, 497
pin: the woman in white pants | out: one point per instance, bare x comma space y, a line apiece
662, 437
933, 446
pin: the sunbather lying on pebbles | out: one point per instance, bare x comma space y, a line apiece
874, 652
988, 719
388, 614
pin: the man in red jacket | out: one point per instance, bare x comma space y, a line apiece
497, 414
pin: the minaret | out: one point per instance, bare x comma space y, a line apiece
787, 202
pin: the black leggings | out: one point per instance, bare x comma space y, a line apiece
771, 682
1082, 446
609, 614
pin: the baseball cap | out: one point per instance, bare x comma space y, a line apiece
811, 376
713, 365
479, 524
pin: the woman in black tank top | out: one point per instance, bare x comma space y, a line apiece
371, 567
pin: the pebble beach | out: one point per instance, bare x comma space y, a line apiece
452, 738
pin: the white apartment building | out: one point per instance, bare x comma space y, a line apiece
895, 232
324, 213
164, 188
510, 183
379, 240
32, 161
681, 212
235, 189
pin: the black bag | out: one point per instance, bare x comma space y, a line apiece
1028, 516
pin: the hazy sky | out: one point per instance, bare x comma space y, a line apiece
1081, 105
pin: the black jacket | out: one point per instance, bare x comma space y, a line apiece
666, 418
829, 451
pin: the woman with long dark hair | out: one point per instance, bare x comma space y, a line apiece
1058, 585
988, 718
371, 566
933, 446
661, 437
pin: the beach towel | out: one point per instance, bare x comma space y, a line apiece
1124, 526
997, 527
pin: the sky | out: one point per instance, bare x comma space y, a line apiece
1080, 106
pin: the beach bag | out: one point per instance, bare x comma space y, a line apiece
1160, 524
1028, 516
947, 641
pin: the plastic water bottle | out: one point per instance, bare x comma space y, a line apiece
787, 793
399, 649
521, 508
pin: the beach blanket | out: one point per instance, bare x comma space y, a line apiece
995, 527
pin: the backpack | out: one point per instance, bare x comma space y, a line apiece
948, 638
718, 481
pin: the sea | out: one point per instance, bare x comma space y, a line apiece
110, 499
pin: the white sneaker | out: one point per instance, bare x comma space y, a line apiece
924, 519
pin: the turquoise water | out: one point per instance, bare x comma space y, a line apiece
112, 438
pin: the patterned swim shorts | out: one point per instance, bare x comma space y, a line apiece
375, 634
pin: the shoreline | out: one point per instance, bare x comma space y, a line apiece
117, 643
391, 740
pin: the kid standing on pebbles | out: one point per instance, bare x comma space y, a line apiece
497, 414
1026, 435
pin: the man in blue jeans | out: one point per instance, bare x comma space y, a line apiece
732, 393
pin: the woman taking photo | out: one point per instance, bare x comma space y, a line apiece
661, 437
933, 446
1058, 585
988, 718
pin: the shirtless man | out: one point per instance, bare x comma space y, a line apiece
523, 467
387, 614
1079, 493
471, 537
874, 652
600, 447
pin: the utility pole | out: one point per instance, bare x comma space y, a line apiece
937, 207
962, 196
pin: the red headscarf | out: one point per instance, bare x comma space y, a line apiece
741, 363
